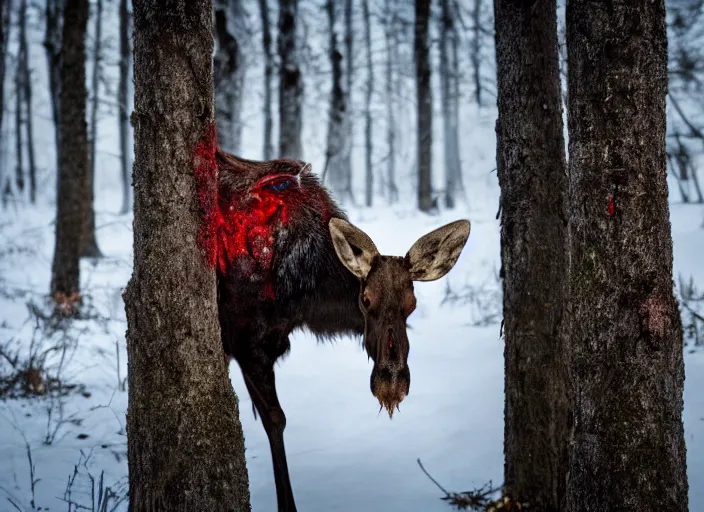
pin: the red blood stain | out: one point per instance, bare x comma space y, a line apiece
238, 231
206, 171
610, 206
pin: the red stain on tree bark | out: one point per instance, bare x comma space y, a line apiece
610, 206
206, 171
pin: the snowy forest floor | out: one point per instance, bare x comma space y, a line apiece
57, 450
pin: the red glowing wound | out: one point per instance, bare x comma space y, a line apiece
238, 229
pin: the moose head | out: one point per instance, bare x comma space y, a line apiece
386, 296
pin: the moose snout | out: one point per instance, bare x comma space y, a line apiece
390, 383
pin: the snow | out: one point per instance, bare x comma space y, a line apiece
343, 454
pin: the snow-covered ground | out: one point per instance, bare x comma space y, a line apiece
343, 453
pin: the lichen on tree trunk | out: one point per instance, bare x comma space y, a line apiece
628, 449
185, 441
531, 172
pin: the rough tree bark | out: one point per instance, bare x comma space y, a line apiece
368, 143
448, 78
531, 170
336, 161
178, 383
123, 103
425, 106
268, 151
73, 165
628, 448
290, 83
89, 244
53, 14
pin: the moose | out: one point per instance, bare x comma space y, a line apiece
287, 258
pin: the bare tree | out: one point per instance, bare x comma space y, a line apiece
5, 15
73, 152
25, 99
450, 103
228, 72
53, 14
337, 162
268, 152
476, 50
89, 244
290, 82
178, 381
391, 57
625, 331
425, 106
123, 105
19, 100
368, 143
531, 170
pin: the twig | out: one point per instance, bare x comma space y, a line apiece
431, 478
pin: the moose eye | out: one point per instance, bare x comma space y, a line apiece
282, 185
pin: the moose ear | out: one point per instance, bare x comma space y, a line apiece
353, 246
434, 254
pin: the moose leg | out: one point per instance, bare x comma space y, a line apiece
258, 375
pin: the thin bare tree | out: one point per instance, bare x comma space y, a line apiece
424, 119
268, 146
290, 82
89, 243
123, 105
368, 142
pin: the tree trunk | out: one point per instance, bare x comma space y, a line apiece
628, 449
336, 161
476, 49
178, 384
52, 45
368, 143
531, 171
290, 83
23, 63
228, 73
73, 166
5, 18
448, 78
425, 106
123, 102
268, 152
89, 244
349, 120
19, 104
391, 57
